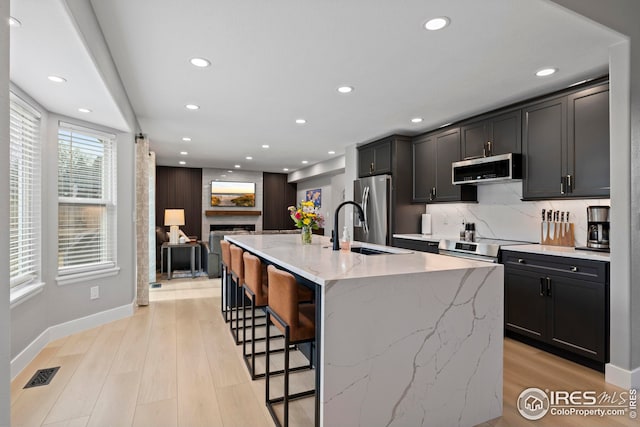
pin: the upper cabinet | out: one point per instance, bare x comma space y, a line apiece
433, 155
566, 146
497, 134
392, 155
278, 195
375, 158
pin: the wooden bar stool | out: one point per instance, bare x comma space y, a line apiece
225, 280
296, 322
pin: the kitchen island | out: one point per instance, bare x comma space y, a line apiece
403, 339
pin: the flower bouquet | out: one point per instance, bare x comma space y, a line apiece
306, 217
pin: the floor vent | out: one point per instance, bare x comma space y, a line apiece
42, 377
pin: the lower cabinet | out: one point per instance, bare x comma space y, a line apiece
558, 301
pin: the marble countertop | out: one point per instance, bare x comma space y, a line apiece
320, 264
564, 251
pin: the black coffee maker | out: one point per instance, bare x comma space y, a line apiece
598, 227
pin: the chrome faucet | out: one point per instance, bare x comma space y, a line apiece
334, 234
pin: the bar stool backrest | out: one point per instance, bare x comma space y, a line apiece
237, 266
253, 277
283, 297
225, 248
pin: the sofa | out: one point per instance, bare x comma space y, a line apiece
214, 245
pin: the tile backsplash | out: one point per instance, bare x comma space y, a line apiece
501, 214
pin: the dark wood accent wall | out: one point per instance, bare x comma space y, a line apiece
180, 188
277, 195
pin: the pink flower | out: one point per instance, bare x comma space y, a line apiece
298, 215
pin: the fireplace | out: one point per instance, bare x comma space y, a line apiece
232, 227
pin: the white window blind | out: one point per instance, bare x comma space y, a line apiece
86, 199
24, 192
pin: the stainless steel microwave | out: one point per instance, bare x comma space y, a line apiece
502, 167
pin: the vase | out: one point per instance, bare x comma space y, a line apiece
306, 235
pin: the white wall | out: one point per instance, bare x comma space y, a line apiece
211, 174
5, 320
501, 214
332, 194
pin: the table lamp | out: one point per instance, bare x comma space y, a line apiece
173, 218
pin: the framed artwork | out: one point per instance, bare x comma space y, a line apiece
315, 196
233, 194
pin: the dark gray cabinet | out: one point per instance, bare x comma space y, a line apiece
566, 146
497, 134
392, 155
433, 155
588, 142
375, 158
558, 301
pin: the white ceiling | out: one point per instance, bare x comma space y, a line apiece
279, 60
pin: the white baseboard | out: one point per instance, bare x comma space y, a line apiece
67, 328
621, 377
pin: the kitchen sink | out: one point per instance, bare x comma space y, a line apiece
368, 251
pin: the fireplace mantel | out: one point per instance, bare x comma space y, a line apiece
232, 213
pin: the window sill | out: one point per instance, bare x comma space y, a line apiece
68, 279
22, 293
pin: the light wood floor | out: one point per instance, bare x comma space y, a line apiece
174, 363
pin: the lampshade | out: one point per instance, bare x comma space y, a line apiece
174, 217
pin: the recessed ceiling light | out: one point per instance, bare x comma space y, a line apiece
182, 162
200, 62
13, 22
301, 121
192, 107
57, 79
546, 72
223, 175
416, 120
265, 145
183, 153
304, 162
249, 158
285, 169
230, 171
345, 89
186, 139
84, 110
236, 166
331, 152
437, 23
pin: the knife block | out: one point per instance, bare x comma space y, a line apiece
557, 233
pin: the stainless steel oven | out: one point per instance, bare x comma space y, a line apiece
487, 250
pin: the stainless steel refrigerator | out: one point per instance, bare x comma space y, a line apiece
374, 195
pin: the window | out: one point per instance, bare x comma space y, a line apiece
86, 199
24, 192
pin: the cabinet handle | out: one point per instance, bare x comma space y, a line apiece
434, 193
574, 268
562, 185
489, 149
371, 168
542, 286
431, 194
569, 184
548, 286
521, 261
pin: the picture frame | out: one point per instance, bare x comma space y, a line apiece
233, 194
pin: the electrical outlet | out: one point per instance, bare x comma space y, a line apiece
95, 292
445, 221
